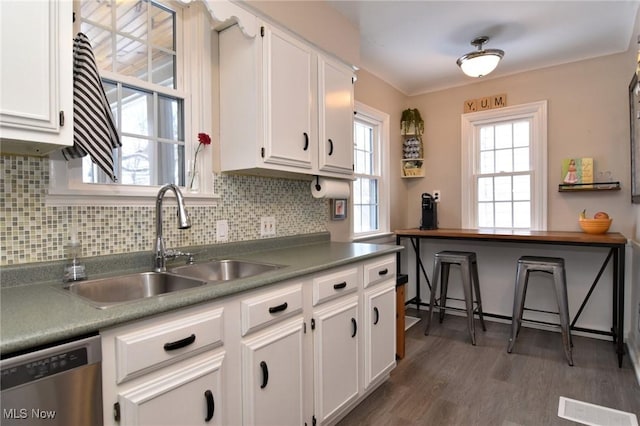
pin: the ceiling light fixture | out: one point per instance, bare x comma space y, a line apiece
480, 62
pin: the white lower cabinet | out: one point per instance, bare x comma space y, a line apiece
336, 357
354, 335
299, 352
380, 331
167, 370
272, 376
191, 395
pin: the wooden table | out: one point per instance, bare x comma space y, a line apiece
613, 241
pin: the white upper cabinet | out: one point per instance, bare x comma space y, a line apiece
36, 82
287, 80
335, 95
284, 107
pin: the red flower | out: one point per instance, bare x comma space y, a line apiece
204, 139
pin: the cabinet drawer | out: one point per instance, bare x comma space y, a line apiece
152, 347
334, 285
379, 270
261, 311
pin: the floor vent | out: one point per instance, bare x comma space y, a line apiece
409, 322
594, 415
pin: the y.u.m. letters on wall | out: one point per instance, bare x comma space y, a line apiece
488, 102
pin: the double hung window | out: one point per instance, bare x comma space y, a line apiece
370, 189
504, 168
135, 44
158, 92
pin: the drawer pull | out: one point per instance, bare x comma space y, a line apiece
172, 346
385, 271
354, 325
265, 374
211, 406
377, 315
330, 147
279, 308
339, 286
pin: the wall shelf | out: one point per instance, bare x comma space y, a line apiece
595, 186
412, 163
412, 168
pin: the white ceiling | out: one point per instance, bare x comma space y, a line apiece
413, 45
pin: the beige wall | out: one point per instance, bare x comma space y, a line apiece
588, 117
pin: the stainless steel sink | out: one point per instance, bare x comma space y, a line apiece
224, 270
106, 292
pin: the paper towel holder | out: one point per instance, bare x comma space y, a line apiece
318, 187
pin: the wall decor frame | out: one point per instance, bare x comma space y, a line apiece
338, 209
634, 120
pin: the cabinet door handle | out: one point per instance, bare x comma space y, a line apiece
306, 141
279, 308
385, 271
172, 346
211, 406
330, 147
265, 374
376, 315
339, 286
354, 325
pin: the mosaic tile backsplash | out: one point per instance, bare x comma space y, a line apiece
30, 231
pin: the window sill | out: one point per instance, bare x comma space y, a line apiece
144, 198
381, 235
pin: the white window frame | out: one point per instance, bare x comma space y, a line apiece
381, 120
194, 79
536, 112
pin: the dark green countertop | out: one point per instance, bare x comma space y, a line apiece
32, 315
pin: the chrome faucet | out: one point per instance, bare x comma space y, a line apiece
183, 223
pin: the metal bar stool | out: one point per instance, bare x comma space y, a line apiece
549, 265
470, 285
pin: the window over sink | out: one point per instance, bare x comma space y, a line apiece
158, 106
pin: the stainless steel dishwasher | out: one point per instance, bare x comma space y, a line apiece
59, 385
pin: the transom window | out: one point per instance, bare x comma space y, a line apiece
504, 169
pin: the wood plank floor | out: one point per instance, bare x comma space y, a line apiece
444, 380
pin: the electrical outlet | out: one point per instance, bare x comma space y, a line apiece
267, 226
222, 231
436, 195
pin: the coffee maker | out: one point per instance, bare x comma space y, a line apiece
429, 212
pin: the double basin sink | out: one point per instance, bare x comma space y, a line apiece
105, 292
